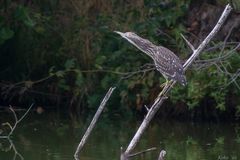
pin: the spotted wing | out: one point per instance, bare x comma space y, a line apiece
168, 63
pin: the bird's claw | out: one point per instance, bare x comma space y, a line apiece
164, 84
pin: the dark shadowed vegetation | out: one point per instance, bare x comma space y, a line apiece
65, 54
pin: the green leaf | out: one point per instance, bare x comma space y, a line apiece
39, 29
62, 84
5, 34
79, 79
60, 74
51, 70
22, 14
69, 64
220, 140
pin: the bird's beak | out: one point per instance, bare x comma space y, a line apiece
120, 33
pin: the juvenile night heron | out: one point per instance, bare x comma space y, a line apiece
165, 60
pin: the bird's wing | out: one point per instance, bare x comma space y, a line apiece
167, 62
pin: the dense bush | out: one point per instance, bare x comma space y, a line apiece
66, 52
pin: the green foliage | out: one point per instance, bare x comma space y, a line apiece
72, 50
22, 14
5, 34
220, 140
190, 141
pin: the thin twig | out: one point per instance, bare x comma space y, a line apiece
8, 137
94, 120
16, 153
142, 152
159, 100
188, 43
18, 120
204, 43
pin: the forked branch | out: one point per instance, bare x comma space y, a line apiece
17, 121
160, 99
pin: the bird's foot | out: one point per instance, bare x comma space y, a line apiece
164, 84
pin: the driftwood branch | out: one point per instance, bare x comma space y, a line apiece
17, 121
93, 122
127, 157
162, 155
160, 99
12, 128
142, 152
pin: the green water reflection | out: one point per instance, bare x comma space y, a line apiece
52, 137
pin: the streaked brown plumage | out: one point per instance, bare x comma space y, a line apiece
165, 60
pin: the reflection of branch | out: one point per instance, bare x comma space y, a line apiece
12, 147
16, 153
12, 128
94, 120
160, 99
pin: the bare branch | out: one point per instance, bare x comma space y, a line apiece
159, 100
162, 154
142, 152
12, 147
16, 153
188, 43
18, 120
94, 120
7, 124
220, 58
204, 43
12, 128
146, 107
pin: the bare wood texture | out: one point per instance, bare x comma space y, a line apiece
162, 155
93, 122
17, 121
160, 99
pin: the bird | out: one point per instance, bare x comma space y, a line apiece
166, 62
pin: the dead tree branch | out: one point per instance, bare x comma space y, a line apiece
160, 99
162, 155
93, 122
127, 157
17, 121
142, 152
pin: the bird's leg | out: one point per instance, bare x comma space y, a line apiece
164, 84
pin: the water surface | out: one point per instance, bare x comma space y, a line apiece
50, 136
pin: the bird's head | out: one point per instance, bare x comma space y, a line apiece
141, 43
